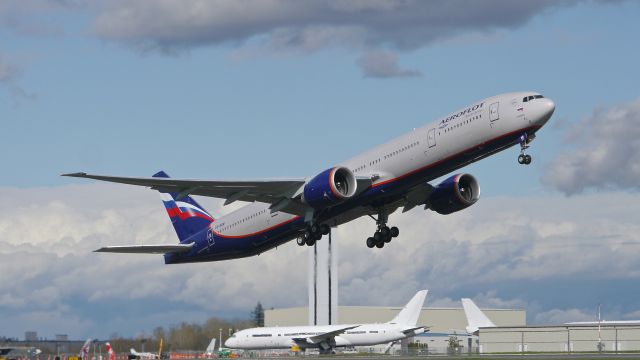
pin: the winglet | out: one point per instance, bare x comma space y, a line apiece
475, 317
77, 174
408, 316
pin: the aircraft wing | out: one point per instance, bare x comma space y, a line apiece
411, 330
147, 249
280, 193
316, 339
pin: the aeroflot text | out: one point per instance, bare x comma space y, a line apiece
470, 109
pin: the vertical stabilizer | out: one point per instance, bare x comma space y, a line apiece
409, 314
187, 216
212, 347
475, 317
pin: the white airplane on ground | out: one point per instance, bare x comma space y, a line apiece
327, 337
133, 354
377, 182
475, 317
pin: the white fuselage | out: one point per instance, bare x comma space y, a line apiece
469, 130
283, 337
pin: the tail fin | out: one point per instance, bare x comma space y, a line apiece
475, 317
187, 216
409, 314
212, 346
111, 354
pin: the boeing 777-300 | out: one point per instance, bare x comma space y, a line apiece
375, 183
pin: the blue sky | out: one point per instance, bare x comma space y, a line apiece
287, 92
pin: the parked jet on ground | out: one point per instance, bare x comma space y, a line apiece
475, 317
110, 353
84, 350
133, 354
377, 182
327, 337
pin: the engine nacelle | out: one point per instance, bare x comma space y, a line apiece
330, 187
454, 194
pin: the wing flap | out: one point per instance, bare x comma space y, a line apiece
147, 249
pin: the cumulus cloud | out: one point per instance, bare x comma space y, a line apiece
305, 25
381, 64
53, 282
606, 145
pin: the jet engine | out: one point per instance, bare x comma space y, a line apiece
454, 194
330, 187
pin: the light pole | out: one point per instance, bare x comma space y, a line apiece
220, 340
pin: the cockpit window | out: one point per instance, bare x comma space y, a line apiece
531, 97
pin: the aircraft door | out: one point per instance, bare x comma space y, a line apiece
493, 111
431, 138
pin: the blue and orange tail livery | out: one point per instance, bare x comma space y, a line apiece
187, 216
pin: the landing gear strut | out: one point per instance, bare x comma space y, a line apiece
523, 158
383, 234
313, 233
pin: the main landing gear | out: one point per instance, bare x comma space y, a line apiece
523, 158
383, 234
313, 233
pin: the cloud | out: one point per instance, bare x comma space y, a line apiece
9, 72
381, 64
540, 257
606, 145
170, 26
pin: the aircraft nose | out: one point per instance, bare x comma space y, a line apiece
543, 110
230, 343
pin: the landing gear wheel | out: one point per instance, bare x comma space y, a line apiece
527, 159
377, 237
324, 229
394, 231
380, 245
521, 159
371, 242
301, 241
315, 228
310, 242
317, 236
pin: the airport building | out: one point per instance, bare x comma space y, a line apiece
560, 338
440, 320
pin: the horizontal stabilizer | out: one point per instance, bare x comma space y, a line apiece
147, 249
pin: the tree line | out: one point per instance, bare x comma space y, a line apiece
187, 336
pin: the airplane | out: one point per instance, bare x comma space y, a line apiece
111, 354
84, 350
19, 352
133, 354
475, 317
327, 337
211, 349
377, 182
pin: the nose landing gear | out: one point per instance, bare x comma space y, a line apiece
523, 158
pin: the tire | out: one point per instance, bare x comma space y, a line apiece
385, 232
377, 237
371, 242
310, 242
527, 159
324, 229
315, 228
300, 241
380, 245
317, 236
521, 159
394, 231
388, 238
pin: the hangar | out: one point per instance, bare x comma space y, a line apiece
560, 338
